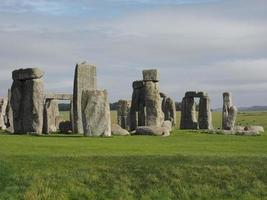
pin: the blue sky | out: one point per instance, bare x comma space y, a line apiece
211, 45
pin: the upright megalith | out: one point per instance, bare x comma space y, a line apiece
146, 102
27, 96
96, 113
85, 79
168, 108
229, 112
205, 115
189, 115
51, 114
3, 106
9, 114
137, 110
123, 114
154, 114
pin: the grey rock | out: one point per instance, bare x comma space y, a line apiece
152, 130
65, 127
191, 94
138, 84
27, 74
3, 106
96, 113
151, 75
51, 112
154, 114
59, 119
123, 114
259, 129
27, 102
168, 125
188, 114
118, 131
169, 109
205, 115
229, 112
85, 79
58, 96
9, 115
137, 110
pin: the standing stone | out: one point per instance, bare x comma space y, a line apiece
205, 115
123, 114
96, 113
27, 95
85, 79
169, 109
229, 112
9, 114
51, 114
188, 114
3, 106
137, 112
154, 114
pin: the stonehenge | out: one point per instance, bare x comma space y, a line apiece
28, 109
27, 100
229, 112
189, 115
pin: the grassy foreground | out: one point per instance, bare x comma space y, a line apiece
185, 165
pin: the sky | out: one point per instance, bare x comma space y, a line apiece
203, 45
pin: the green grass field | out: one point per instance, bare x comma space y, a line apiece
185, 165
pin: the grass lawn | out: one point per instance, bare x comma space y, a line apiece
185, 165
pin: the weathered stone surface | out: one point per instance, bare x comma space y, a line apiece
169, 109
119, 131
27, 104
59, 119
146, 102
168, 125
259, 129
229, 112
96, 113
152, 130
3, 106
151, 75
123, 114
195, 94
9, 114
138, 84
85, 79
51, 112
65, 127
154, 114
205, 115
137, 110
58, 96
27, 74
191, 94
188, 114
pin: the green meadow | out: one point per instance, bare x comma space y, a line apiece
186, 165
